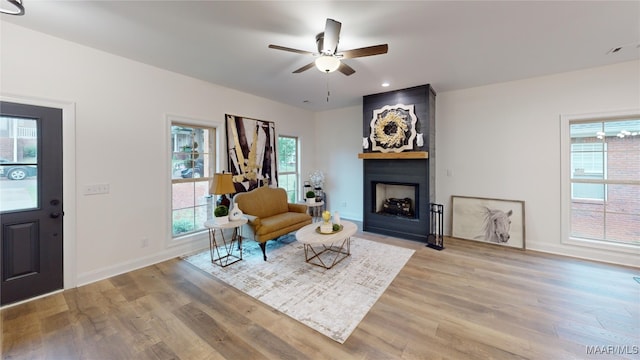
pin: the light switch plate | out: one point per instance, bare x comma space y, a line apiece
96, 189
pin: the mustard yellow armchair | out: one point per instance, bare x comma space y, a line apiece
270, 215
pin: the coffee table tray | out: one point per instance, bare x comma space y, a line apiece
333, 232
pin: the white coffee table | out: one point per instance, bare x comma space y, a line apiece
326, 250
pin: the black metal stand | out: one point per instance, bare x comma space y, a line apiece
435, 239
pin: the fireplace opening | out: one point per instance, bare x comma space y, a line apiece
395, 199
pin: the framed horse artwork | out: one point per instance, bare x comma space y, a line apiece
494, 221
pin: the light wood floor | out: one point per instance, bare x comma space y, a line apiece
469, 301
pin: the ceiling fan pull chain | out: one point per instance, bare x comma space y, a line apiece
328, 93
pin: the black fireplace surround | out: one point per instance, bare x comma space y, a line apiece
397, 171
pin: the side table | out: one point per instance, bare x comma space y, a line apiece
223, 252
315, 209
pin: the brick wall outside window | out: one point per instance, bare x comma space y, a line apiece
617, 218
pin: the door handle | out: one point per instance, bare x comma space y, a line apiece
55, 215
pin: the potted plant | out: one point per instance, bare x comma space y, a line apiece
311, 197
221, 213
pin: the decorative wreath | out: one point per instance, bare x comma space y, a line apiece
390, 131
393, 128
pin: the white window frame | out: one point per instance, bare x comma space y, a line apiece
565, 185
220, 159
297, 171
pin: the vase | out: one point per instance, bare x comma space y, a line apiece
235, 213
311, 201
336, 218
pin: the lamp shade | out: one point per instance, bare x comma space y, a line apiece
222, 184
327, 63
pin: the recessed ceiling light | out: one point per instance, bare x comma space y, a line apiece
385, 84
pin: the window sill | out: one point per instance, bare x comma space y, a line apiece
188, 239
633, 248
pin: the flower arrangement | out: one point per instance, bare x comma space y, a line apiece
317, 179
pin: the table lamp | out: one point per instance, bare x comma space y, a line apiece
222, 184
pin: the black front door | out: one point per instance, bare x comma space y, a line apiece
31, 208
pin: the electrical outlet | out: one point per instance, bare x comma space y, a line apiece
343, 204
144, 242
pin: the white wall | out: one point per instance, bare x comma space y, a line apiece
339, 140
503, 141
499, 141
121, 139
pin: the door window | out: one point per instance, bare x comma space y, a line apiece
18, 163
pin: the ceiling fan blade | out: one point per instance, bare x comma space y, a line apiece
346, 69
365, 51
278, 47
331, 36
305, 68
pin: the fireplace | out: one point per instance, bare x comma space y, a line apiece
397, 179
399, 169
395, 199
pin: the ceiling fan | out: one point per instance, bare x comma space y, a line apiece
328, 57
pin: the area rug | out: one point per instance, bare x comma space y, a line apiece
332, 302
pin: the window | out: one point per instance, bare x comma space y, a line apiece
192, 165
602, 178
588, 162
288, 166
19, 163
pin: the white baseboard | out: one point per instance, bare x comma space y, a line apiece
117, 269
611, 257
351, 216
579, 252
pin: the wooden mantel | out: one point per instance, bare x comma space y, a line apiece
400, 155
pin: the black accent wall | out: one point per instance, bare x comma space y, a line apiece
418, 171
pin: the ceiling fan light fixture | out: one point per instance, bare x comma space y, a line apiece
327, 64
11, 7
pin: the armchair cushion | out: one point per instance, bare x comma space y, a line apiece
275, 223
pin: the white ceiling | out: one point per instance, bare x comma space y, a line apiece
448, 44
